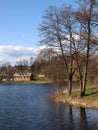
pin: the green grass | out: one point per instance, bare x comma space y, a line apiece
88, 92
41, 80
92, 91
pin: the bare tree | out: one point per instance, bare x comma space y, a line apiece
74, 35
43, 62
6, 70
68, 24
49, 63
31, 60
87, 16
56, 29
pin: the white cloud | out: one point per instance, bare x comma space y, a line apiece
14, 53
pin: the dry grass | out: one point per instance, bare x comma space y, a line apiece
90, 99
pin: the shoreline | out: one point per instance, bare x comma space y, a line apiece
28, 82
77, 103
90, 100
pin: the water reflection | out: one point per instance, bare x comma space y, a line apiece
83, 119
72, 118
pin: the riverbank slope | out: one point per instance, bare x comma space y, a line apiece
90, 100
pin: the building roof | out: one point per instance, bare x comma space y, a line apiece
22, 74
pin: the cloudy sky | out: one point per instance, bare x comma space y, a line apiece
19, 20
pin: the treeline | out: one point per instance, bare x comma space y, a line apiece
73, 35
51, 65
22, 66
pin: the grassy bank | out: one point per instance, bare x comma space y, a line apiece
41, 81
36, 81
90, 100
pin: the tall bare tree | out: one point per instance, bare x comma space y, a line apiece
68, 24
87, 17
56, 29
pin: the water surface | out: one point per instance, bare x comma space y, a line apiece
27, 107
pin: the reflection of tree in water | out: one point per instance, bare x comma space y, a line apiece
77, 119
72, 118
65, 117
66, 120
83, 119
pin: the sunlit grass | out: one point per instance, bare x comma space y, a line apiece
89, 100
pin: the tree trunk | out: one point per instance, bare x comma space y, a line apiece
81, 88
70, 85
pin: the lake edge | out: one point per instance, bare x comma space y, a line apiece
90, 101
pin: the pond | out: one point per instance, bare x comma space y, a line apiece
27, 107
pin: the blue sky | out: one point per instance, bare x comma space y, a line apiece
19, 20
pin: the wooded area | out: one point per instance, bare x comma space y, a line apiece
71, 36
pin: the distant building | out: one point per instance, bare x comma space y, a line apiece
41, 76
22, 77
